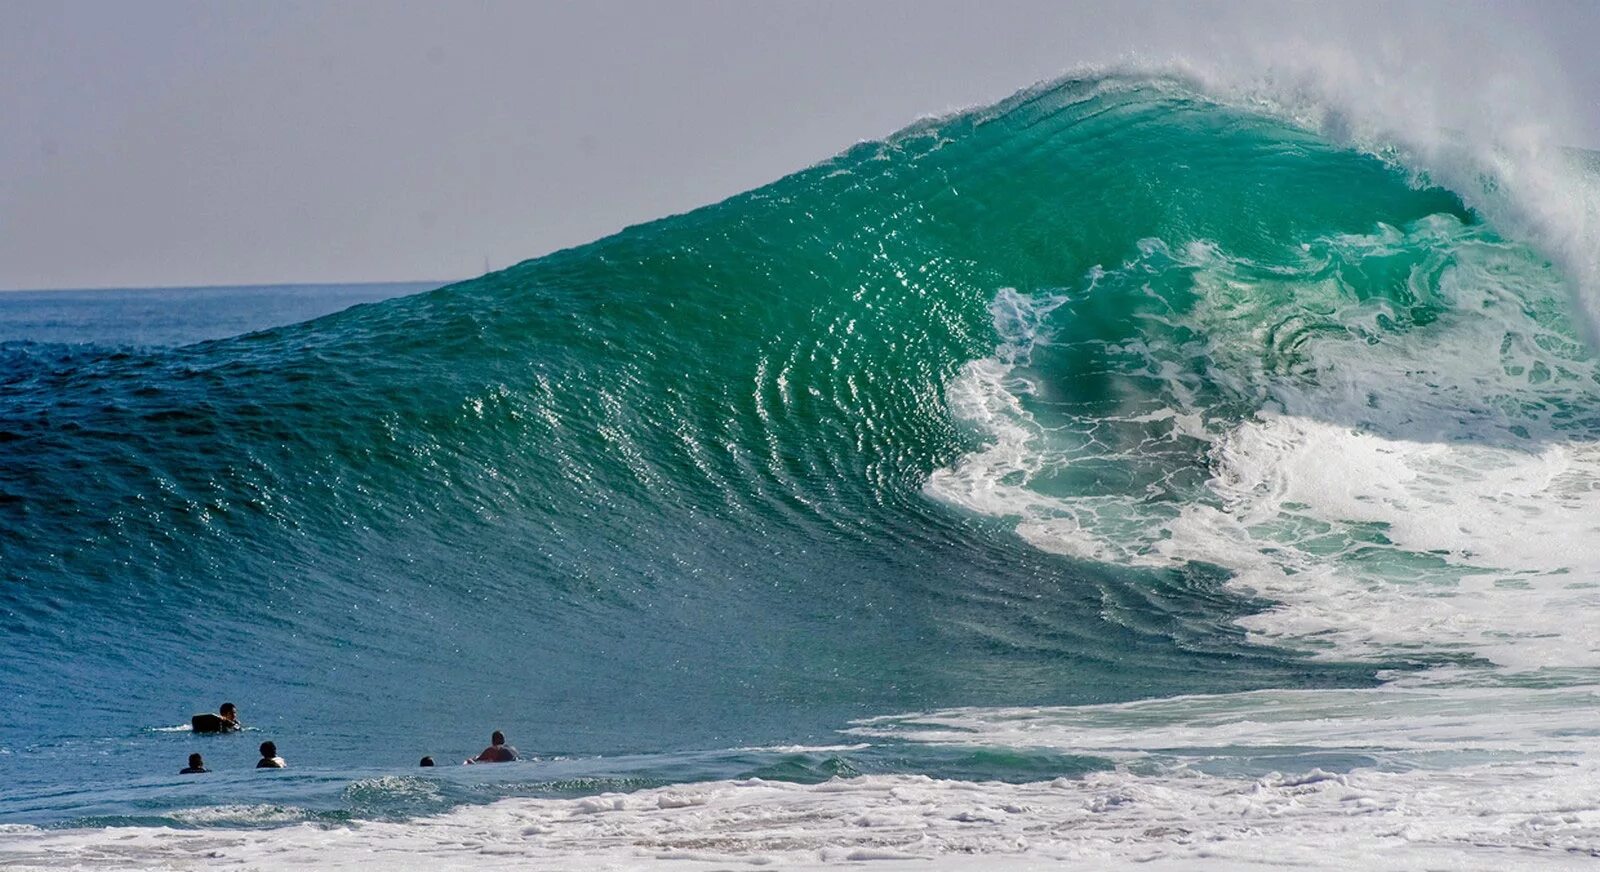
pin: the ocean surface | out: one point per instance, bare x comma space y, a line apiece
1126, 472
167, 317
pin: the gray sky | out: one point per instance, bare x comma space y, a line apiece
179, 143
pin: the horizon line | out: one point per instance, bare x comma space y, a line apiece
214, 287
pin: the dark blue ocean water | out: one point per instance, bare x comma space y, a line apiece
177, 316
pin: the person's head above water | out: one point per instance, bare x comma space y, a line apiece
269, 757
228, 712
497, 752
196, 761
426, 761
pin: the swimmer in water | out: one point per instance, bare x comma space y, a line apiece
269, 757
426, 761
196, 765
497, 752
230, 717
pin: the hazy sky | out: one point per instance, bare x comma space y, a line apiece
178, 143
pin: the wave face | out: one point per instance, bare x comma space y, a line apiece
1110, 391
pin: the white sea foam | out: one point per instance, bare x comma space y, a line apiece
1528, 813
241, 815
1490, 551
1420, 493
1398, 726
804, 749
1391, 777
1394, 777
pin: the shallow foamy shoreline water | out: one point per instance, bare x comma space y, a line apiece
1107, 820
1395, 777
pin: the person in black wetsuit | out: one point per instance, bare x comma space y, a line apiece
269, 757
197, 764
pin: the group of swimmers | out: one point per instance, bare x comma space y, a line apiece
227, 720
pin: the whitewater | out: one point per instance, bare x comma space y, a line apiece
1144, 471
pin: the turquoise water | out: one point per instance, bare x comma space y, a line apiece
663, 506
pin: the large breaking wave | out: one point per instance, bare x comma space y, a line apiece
1113, 390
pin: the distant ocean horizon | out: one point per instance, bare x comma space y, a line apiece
179, 314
